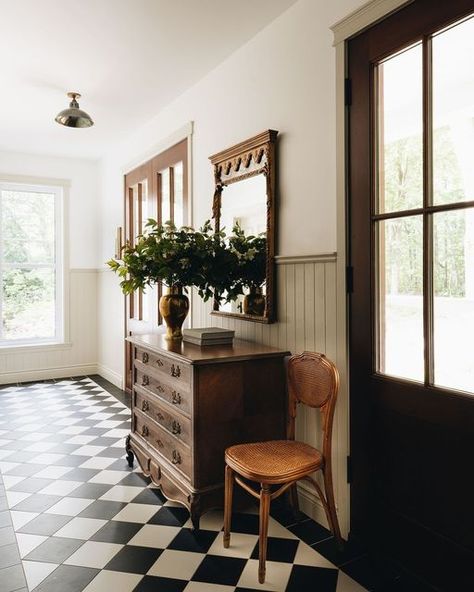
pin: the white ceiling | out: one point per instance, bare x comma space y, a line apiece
128, 59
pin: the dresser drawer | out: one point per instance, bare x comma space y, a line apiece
178, 371
177, 453
173, 393
175, 423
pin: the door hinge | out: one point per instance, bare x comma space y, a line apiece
349, 469
347, 92
349, 279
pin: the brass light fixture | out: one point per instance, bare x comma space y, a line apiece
73, 116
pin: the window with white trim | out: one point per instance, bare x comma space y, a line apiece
31, 264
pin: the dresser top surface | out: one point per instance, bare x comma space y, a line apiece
195, 354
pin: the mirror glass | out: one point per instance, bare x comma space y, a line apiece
244, 203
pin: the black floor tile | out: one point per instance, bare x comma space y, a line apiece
310, 532
67, 578
103, 509
196, 541
150, 495
170, 516
138, 479
244, 523
154, 584
285, 515
31, 485
12, 578
133, 559
112, 452
304, 577
5, 518
37, 503
278, 549
70, 460
330, 550
120, 465
91, 490
54, 550
25, 470
80, 474
117, 532
45, 524
220, 570
371, 573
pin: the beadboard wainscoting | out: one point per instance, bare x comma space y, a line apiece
307, 321
78, 355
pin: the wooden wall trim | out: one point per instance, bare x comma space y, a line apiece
365, 16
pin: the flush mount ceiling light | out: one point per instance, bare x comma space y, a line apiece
74, 117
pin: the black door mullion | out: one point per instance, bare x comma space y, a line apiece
428, 322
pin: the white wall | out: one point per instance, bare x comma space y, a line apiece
283, 79
82, 233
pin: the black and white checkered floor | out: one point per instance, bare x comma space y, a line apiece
84, 521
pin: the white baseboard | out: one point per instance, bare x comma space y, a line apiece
110, 375
311, 505
48, 373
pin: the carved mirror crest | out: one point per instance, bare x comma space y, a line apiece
244, 194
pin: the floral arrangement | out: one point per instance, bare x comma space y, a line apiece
251, 253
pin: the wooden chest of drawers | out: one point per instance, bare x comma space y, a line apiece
190, 403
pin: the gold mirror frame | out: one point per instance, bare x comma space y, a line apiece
255, 156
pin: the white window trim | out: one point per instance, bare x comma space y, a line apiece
60, 187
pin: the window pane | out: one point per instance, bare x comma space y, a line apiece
28, 307
27, 228
400, 280
165, 196
178, 194
453, 114
400, 132
454, 299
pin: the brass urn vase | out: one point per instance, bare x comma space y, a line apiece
254, 302
174, 308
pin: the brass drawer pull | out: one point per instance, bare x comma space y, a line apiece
160, 443
145, 380
145, 406
176, 458
175, 398
176, 427
145, 358
159, 362
160, 416
175, 371
145, 431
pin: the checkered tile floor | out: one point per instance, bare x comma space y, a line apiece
84, 521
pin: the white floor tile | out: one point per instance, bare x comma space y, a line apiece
241, 545
47, 458
276, 577
180, 565
82, 440
275, 529
41, 446
80, 528
205, 587
53, 472
117, 433
19, 519
94, 554
36, 572
59, 487
140, 513
109, 477
347, 584
73, 430
70, 506
109, 423
97, 462
113, 580
213, 520
157, 536
11, 480
122, 493
28, 542
15, 497
305, 555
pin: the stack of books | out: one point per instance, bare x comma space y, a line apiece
208, 336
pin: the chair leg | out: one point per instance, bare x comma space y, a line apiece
229, 488
293, 499
331, 505
263, 530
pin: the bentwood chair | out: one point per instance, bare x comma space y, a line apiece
313, 380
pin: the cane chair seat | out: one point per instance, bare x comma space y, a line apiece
274, 461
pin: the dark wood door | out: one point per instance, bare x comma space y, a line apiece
157, 189
411, 249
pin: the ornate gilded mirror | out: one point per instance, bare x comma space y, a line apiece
244, 195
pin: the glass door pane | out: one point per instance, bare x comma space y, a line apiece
454, 299
400, 302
